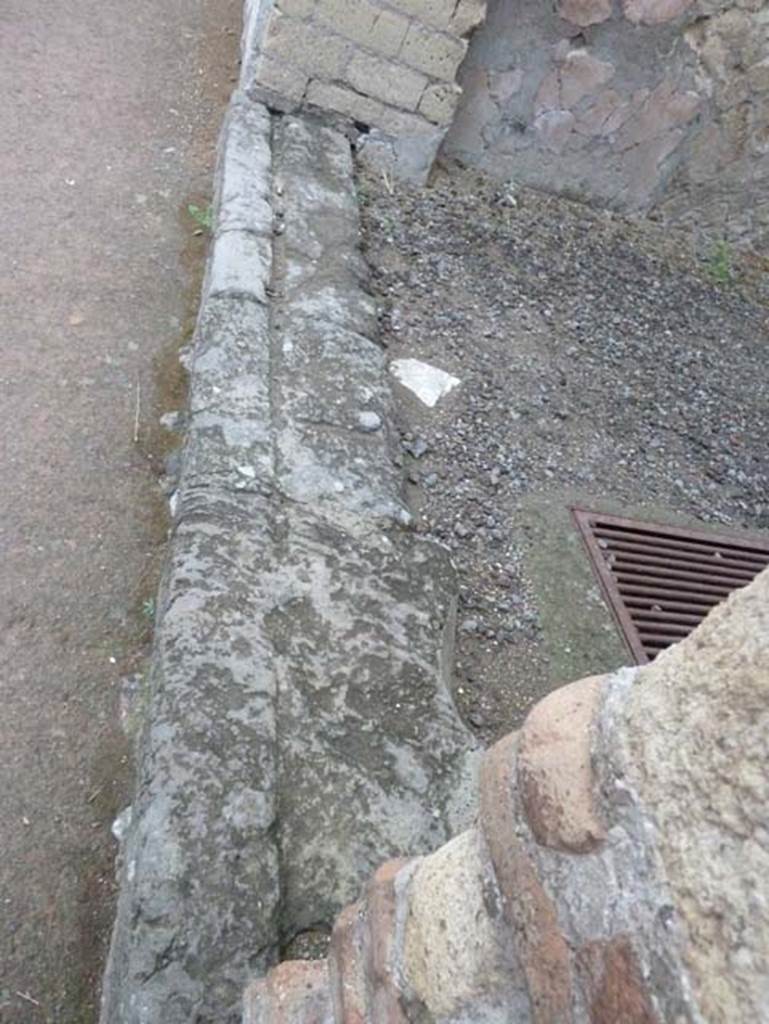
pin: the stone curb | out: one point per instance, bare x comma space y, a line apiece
194, 915
298, 719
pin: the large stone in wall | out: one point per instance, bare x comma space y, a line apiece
696, 724
634, 105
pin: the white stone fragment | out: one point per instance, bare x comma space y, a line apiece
122, 823
427, 382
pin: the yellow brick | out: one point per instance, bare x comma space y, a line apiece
344, 101
388, 33
435, 54
431, 12
306, 46
280, 78
468, 16
351, 18
439, 102
391, 83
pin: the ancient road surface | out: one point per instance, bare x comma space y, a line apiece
108, 123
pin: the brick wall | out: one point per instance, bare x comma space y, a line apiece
390, 66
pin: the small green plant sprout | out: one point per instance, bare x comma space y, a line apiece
148, 608
720, 263
202, 215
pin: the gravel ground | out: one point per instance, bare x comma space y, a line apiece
596, 354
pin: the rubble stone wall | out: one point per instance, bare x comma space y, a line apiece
633, 105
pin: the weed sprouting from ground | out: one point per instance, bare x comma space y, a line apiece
720, 263
202, 215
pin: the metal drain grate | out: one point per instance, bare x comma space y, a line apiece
661, 581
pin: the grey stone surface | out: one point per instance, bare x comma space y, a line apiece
199, 890
374, 760
256, 13
408, 157
299, 722
329, 364
372, 735
243, 199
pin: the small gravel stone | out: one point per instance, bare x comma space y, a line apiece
417, 448
369, 421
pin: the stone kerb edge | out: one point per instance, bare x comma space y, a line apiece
215, 516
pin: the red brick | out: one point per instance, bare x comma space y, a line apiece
611, 979
554, 773
347, 964
541, 948
384, 997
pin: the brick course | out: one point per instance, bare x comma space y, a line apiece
390, 65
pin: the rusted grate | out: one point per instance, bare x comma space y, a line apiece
661, 581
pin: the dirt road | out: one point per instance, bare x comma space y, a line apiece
109, 118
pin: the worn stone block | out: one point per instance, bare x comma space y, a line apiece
306, 46
468, 16
391, 83
456, 952
365, 23
404, 125
439, 102
351, 18
242, 199
282, 84
240, 264
363, 109
410, 156
388, 33
432, 12
433, 53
